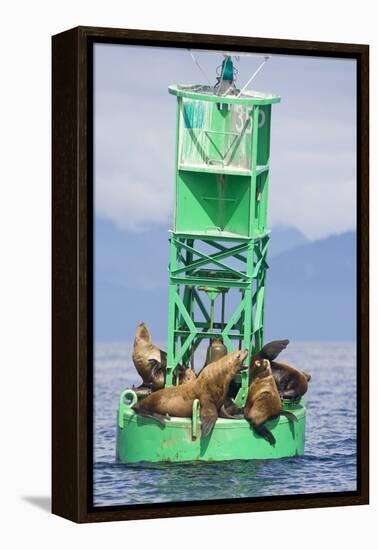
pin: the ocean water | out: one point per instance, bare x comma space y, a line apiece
328, 465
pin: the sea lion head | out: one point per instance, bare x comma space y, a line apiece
234, 361
261, 368
224, 368
217, 342
215, 351
142, 335
241, 355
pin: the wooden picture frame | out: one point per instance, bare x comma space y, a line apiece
72, 248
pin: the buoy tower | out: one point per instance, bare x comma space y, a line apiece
217, 271
219, 241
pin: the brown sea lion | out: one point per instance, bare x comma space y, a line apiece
142, 391
230, 410
263, 400
159, 371
151, 362
270, 351
291, 382
215, 380
215, 351
210, 388
145, 353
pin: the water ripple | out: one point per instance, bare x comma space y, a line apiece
329, 463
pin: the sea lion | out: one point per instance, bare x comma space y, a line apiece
142, 391
151, 362
263, 400
215, 351
270, 351
159, 371
230, 410
214, 381
210, 388
146, 355
291, 382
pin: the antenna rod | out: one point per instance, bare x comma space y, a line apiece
199, 66
253, 76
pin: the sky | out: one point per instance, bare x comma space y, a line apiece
313, 136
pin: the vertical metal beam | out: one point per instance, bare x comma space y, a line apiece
252, 204
188, 300
245, 324
171, 344
242, 395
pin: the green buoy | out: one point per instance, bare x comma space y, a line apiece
218, 251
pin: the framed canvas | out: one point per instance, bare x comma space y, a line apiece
178, 279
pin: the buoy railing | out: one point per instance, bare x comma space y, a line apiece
132, 398
195, 419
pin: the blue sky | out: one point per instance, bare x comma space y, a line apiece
312, 186
313, 146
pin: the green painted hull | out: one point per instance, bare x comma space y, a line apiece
179, 440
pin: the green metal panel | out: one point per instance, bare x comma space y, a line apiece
222, 160
145, 440
264, 135
214, 137
213, 203
195, 273
247, 98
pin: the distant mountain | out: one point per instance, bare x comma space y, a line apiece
310, 292
132, 260
118, 310
131, 281
140, 259
283, 238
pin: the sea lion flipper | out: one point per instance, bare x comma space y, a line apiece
161, 418
143, 390
209, 416
223, 413
207, 425
272, 349
156, 369
290, 416
265, 433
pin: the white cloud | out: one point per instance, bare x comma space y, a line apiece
316, 214
312, 183
133, 163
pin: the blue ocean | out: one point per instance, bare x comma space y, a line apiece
328, 465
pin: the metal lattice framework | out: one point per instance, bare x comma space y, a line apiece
219, 244
194, 274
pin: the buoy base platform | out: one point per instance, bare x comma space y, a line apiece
141, 439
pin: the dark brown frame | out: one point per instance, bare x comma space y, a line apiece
72, 271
